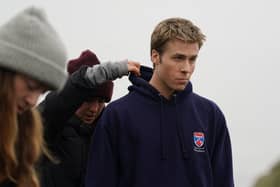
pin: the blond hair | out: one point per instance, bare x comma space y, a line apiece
175, 28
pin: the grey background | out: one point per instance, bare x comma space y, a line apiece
237, 67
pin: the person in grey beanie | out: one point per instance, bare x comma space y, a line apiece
32, 60
70, 116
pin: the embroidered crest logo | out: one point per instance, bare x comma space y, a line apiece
199, 140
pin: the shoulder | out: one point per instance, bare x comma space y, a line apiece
205, 102
69, 131
120, 103
115, 112
212, 118
208, 108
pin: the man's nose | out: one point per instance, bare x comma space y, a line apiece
186, 66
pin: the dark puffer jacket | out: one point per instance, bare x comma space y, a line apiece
7, 184
66, 137
70, 147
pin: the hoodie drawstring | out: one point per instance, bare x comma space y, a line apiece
180, 131
162, 138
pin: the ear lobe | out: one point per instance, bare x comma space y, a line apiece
155, 57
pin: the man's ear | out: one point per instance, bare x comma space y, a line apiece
155, 57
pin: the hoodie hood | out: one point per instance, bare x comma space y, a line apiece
141, 84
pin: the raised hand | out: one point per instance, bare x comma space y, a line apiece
133, 67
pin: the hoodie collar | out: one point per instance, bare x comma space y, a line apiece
142, 85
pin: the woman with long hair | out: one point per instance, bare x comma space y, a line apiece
32, 60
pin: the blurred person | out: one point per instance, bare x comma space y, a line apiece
71, 114
162, 133
271, 178
32, 60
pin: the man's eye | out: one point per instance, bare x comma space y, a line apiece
193, 60
179, 57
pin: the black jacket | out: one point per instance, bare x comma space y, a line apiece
7, 184
66, 137
70, 147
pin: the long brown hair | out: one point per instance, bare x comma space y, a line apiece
21, 137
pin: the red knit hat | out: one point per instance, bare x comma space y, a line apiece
88, 58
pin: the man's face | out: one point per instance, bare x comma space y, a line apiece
174, 67
90, 110
27, 91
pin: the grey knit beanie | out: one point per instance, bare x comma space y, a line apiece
30, 45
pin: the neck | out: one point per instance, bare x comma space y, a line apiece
160, 87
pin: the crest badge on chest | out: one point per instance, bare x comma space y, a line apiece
199, 141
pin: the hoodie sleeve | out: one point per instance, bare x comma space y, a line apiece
102, 166
222, 155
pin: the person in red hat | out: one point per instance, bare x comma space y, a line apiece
70, 116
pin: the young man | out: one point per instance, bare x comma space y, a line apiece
83, 99
163, 134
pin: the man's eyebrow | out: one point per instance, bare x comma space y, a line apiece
184, 56
179, 55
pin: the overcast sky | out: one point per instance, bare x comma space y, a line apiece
238, 67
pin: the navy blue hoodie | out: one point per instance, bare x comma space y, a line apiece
145, 140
